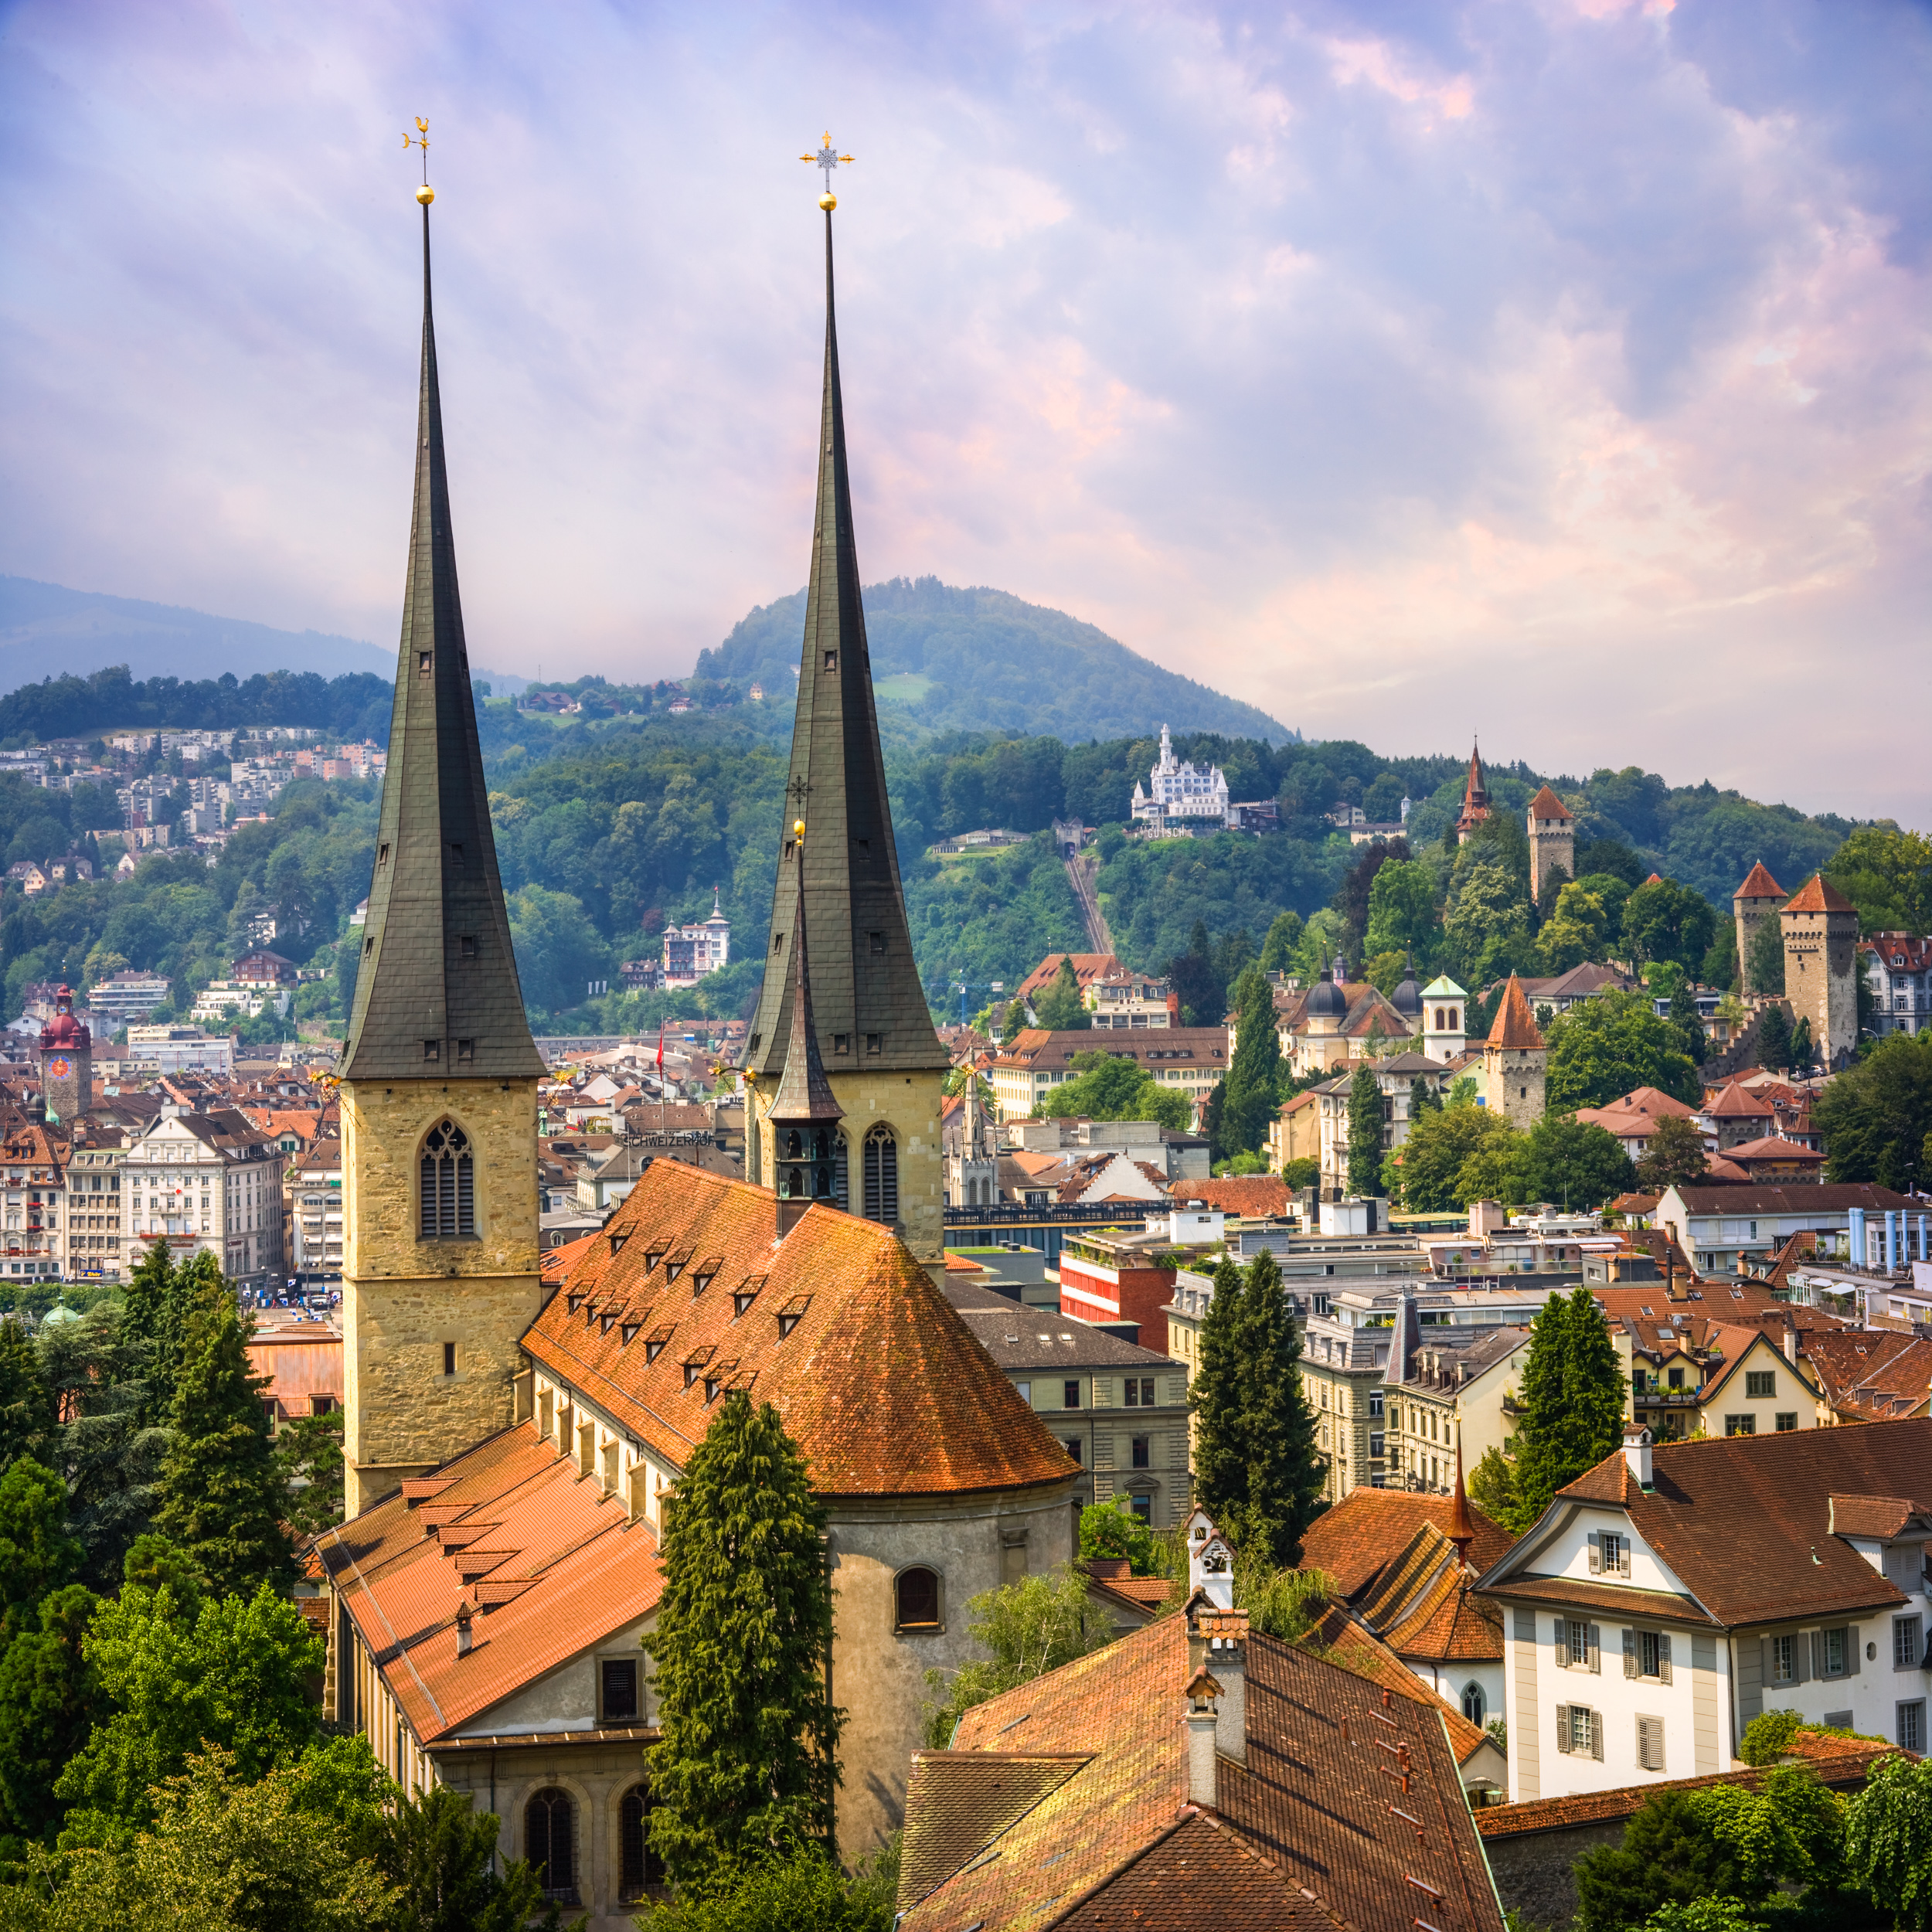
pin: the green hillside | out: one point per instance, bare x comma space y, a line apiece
950, 659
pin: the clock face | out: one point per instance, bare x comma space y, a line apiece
59, 1067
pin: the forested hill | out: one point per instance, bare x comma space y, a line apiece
357, 705
950, 659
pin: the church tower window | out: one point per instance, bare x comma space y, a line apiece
882, 1175
449, 1184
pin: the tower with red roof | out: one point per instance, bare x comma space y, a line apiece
1820, 929
1757, 901
1475, 799
1552, 843
66, 1062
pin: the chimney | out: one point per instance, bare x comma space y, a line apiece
1790, 1340
463, 1639
1636, 1447
1210, 1562
1217, 1648
1201, 1691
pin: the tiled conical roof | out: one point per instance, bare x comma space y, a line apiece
1758, 884
437, 994
1515, 1025
1546, 805
1819, 895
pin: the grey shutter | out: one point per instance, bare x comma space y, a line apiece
1562, 1643
1596, 1651
1663, 1655
1764, 1663
1562, 1728
1852, 1647
1817, 1647
1596, 1553
1597, 1735
1629, 1653
1622, 1557
1801, 1658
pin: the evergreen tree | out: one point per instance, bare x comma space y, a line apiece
308, 1455
1673, 1155
1423, 1098
222, 1498
1057, 1006
1220, 1459
1278, 949
1196, 984
749, 1741
37, 1555
1284, 1480
1765, 958
1683, 1013
50, 1702
26, 1405
1803, 1051
1572, 1402
1365, 1133
1773, 1040
1254, 1072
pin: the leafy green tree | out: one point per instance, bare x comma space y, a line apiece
1250, 1102
308, 1463
1057, 1006
1765, 958
228, 1672
1402, 909
1575, 1164
1667, 1857
1438, 1148
1887, 874
37, 1555
1803, 1053
1684, 1017
1663, 920
1108, 1530
1282, 1603
1492, 1486
1774, 1039
49, 1703
1788, 1832
1606, 1045
1278, 949
797, 1888
1719, 968
1876, 1116
1701, 1915
1673, 1156
221, 1497
1497, 1170
1029, 1628
436, 1850
1303, 1173
1572, 1402
1110, 1087
26, 1404
749, 1741
1486, 925
1888, 1838
1578, 929
1365, 1133
1423, 1097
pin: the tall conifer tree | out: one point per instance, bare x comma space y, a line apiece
1252, 1076
1221, 1458
749, 1739
1572, 1401
1364, 1133
221, 1497
26, 1405
1284, 1479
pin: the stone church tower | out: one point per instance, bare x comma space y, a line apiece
1821, 928
1515, 1061
875, 1034
1552, 842
1758, 900
439, 1071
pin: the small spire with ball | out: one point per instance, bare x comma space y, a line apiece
426, 194
828, 158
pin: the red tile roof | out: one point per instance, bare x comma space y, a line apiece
1357, 1539
1546, 805
1087, 967
1738, 1103
547, 1562
1773, 1148
1744, 1522
1758, 884
878, 1381
1819, 895
1420, 1606
1254, 1196
1342, 1638
1514, 1026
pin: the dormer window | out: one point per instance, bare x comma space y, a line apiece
424, 659
627, 1334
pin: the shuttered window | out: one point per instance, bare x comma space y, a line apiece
449, 1184
882, 1176
1650, 1743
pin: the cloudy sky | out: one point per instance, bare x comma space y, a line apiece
1556, 368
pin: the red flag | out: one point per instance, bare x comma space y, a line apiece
660, 1049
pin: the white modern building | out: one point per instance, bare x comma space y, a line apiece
690, 952
1181, 794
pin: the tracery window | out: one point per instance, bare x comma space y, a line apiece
548, 1842
882, 1175
449, 1184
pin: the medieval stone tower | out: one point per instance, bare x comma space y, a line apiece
1820, 929
439, 1071
66, 1062
1514, 1061
1754, 903
1552, 842
875, 1035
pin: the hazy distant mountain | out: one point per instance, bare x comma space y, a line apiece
46, 629
968, 660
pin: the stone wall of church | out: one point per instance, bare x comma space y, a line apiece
405, 1300
909, 1104
975, 1544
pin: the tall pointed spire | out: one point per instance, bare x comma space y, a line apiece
436, 994
868, 1004
804, 1110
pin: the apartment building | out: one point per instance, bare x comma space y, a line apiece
312, 1194
1190, 1060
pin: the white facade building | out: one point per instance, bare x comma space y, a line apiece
1180, 793
692, 951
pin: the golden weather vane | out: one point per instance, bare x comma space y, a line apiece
426, 194
828, 158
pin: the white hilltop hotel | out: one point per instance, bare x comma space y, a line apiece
1182, 793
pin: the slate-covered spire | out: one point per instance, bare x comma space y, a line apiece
804, 1093
436, 993
869, 1006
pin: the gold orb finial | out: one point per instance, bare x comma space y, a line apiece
426, 194
827, 158
829, 202
798, 829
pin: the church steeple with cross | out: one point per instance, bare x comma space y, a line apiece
874, 1031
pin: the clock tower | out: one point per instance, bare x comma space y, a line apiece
66, 1062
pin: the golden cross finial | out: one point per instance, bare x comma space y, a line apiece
426, 194
828, 157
